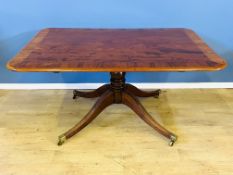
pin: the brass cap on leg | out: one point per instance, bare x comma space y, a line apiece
173, 139
61, 140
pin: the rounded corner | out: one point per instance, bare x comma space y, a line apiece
10, 67
224, 65
221, 66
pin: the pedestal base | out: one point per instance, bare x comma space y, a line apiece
117, 92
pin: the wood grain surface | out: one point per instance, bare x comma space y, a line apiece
119, 50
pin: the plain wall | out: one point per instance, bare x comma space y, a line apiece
20, 20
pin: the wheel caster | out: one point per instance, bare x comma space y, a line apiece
74, 94
157, 93
61, 140
172, 140
74, 97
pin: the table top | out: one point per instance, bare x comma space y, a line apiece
116, 50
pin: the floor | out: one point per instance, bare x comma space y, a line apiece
117, 142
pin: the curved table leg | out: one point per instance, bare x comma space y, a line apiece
92, 94
105, 100
140, 93
136, 106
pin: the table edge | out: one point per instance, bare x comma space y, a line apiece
211, 54
141, 69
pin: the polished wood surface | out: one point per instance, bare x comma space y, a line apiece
104, 101
91, 94
119, 50
136, 106
120, 93
129, 88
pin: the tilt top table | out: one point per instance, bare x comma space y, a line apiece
116, 51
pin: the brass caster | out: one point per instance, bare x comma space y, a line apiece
157, 94
74, 94
61, 140
172, 140
75, 97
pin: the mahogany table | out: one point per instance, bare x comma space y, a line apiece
116, 51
